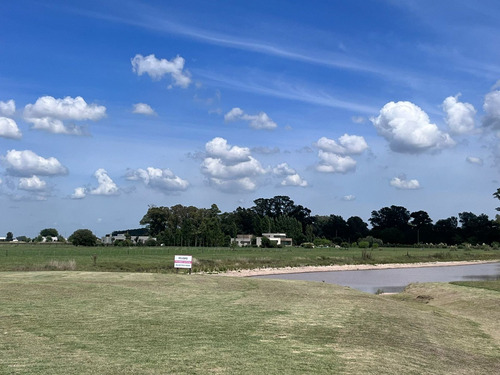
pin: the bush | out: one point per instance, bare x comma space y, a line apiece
363, 244
83, 237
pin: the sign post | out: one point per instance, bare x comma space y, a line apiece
183, 261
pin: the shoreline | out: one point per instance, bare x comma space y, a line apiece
348, 267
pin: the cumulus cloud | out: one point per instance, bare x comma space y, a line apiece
290, 175
7, 108
9, 129
491, 109
27, 163
474, 160
258, 121
407, 128
218, 148
161, 179
158, 68
143, 109
49, 114
335, 156
230, 168
80, 193
32, 184
404, 184
333, 163
459, 116
106, 184
346, 145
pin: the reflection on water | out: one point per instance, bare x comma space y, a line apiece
395, 280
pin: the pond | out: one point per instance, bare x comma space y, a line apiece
396, 279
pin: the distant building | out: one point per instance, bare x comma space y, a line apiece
109, 239
242, 240
279, 238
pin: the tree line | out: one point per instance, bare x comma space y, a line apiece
191, 226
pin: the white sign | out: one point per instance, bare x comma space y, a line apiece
183, 261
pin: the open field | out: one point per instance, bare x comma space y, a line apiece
131, 323
39, 257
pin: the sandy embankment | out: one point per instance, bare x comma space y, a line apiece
347, 267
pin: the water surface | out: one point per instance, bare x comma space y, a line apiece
395, 280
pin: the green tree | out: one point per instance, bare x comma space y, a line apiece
83, 237
49, 232
9, 237
421, 222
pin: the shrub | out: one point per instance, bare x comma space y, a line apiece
363, 244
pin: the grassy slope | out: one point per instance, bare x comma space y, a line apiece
121, 323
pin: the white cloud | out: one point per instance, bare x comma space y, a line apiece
347, 145
474, 160
32, 184
143, 109
294, 180
49, 114
334, 163
459, 116
404, 184
218, 169
106, 184
348, 198
157, 68
162, 179
9, 129
291, 177
27, 163
258, 121
7, 108
283, 169
335, 155
491, 109
80, 193
407, 128
219, 148
230, 168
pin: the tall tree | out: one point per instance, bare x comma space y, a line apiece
422, 223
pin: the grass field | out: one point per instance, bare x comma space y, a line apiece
39, 257
139, 323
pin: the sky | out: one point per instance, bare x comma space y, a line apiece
109, 107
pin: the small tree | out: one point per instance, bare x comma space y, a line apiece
83, 237
9, 237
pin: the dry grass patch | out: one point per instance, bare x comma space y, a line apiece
121, 323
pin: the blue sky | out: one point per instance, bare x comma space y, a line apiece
107, 107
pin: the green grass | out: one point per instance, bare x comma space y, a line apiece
130, 323
39, 257
490, 285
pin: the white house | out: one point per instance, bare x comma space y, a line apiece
242, 240
279, 238
108, 239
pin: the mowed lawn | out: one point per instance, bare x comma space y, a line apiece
140, 323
